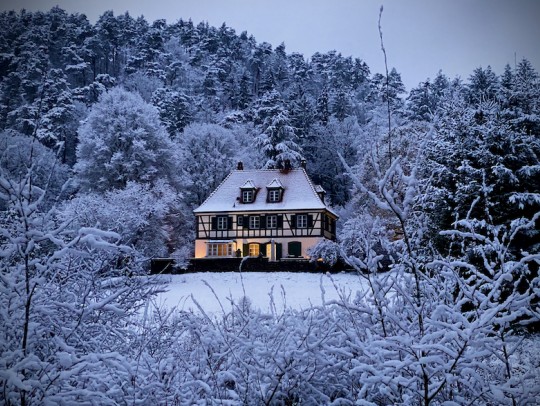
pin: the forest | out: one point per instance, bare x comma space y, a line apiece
112, 133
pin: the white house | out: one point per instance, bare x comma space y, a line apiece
276, 213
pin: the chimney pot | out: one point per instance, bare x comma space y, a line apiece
303, 163
287, 164
240, 166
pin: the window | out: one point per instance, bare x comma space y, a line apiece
220, 250
254, 250
295, 249
222, 223
247, 196
271, 221
274, 195
240, 220
254, 222
301, 221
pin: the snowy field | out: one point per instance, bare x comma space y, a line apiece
214, 291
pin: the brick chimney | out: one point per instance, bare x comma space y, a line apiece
288, 166
303, 163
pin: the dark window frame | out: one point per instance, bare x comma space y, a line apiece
301, 221
246, 193
253, 220
272, 218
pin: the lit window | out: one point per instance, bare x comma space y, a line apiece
222, 223
254, 250
271, 221
254, 222
220, 250
301, 221
247, 196
274, 195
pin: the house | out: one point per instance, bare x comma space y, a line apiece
274, 213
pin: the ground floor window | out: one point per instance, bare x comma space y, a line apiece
254, 250
295, 249
220, 249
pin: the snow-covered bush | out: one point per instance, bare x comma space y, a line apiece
138, 213
67, 303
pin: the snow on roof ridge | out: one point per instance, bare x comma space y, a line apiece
311, 184
283, 171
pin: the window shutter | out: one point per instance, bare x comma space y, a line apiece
246, 222
245, 250
262, 222
214, 223
310, 220
279, 251
262, 249
293, 221
229, 223
279, 221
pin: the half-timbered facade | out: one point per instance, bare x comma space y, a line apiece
273, 213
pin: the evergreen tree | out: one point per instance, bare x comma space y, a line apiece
174, 110
277, 139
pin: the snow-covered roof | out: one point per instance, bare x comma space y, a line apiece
274, 184
248, 185
299, 192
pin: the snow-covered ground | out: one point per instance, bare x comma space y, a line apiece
212, 291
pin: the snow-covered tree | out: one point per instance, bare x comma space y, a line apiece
18, 153
277, 139
210, 153
67, 303
123, 140
174, 110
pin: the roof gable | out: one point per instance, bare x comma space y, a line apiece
248, 185
274, 184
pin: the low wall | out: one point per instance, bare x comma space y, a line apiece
251, 265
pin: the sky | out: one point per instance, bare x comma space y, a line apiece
421, 37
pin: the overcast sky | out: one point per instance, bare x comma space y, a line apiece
420, 36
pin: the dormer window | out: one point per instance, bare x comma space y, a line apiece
275, 191
247, 196
248, 192
274, 195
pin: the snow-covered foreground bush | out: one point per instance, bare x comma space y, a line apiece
335, 353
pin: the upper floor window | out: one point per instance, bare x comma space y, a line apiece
222, 223
274, 195
254, 222
247, 196
271, 221
301, 221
